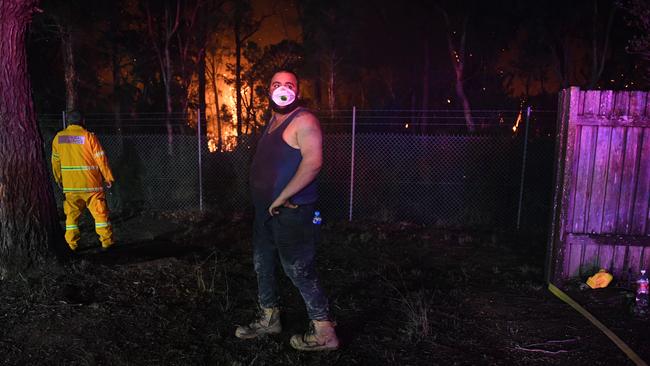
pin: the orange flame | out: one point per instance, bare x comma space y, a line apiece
516, 126
228, 128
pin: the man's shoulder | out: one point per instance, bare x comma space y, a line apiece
73, 130
63, 132
303, 111
85, 132
305, 116
77, 134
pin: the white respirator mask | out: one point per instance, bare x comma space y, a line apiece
283, 96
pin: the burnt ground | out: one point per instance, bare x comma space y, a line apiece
172, 290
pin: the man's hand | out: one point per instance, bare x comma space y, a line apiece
109, 185
273, 209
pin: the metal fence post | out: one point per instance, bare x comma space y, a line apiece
198, 134
63, 118
354, 128
523, 169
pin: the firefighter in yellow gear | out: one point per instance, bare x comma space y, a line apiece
80, 167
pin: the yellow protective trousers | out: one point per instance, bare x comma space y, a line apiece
75, 203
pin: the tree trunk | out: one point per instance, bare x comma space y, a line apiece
168, 98
561, 52
243, 29
202, 40
189, 40
164, 59
246, 108
28, 218
598, 63
413, 107
425, 88
117, 95
331, 101
214, 71
201, 75
318, 84
457, 56
238, 44
467, 110
567, 63
69, 68
250, 117
116, 65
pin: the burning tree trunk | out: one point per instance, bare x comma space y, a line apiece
252, 113
238, 43
252, 117
201, 92
28, 217
457, 56
213, 74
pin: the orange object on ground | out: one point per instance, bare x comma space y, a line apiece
600, 279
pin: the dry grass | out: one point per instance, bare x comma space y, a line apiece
401, 294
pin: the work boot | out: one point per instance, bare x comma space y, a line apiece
268, 322
320, 337
107, 246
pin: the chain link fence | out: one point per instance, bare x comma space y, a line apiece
436, 175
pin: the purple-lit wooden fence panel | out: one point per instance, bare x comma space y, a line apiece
601, 216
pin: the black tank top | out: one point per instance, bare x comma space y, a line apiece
274, 164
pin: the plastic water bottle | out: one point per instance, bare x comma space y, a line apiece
317, 219
642, 292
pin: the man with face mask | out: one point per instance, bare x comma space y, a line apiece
283, 187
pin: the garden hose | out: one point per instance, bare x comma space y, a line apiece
619, 342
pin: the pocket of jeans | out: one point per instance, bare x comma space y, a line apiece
292, 216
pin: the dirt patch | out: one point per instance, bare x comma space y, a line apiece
174, 288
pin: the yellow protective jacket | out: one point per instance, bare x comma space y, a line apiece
79, 163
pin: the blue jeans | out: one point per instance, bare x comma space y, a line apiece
288, 236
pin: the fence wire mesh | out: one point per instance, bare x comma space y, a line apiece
446, 177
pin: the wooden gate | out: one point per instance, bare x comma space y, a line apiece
601, 217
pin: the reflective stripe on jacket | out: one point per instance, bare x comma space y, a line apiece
78, 161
